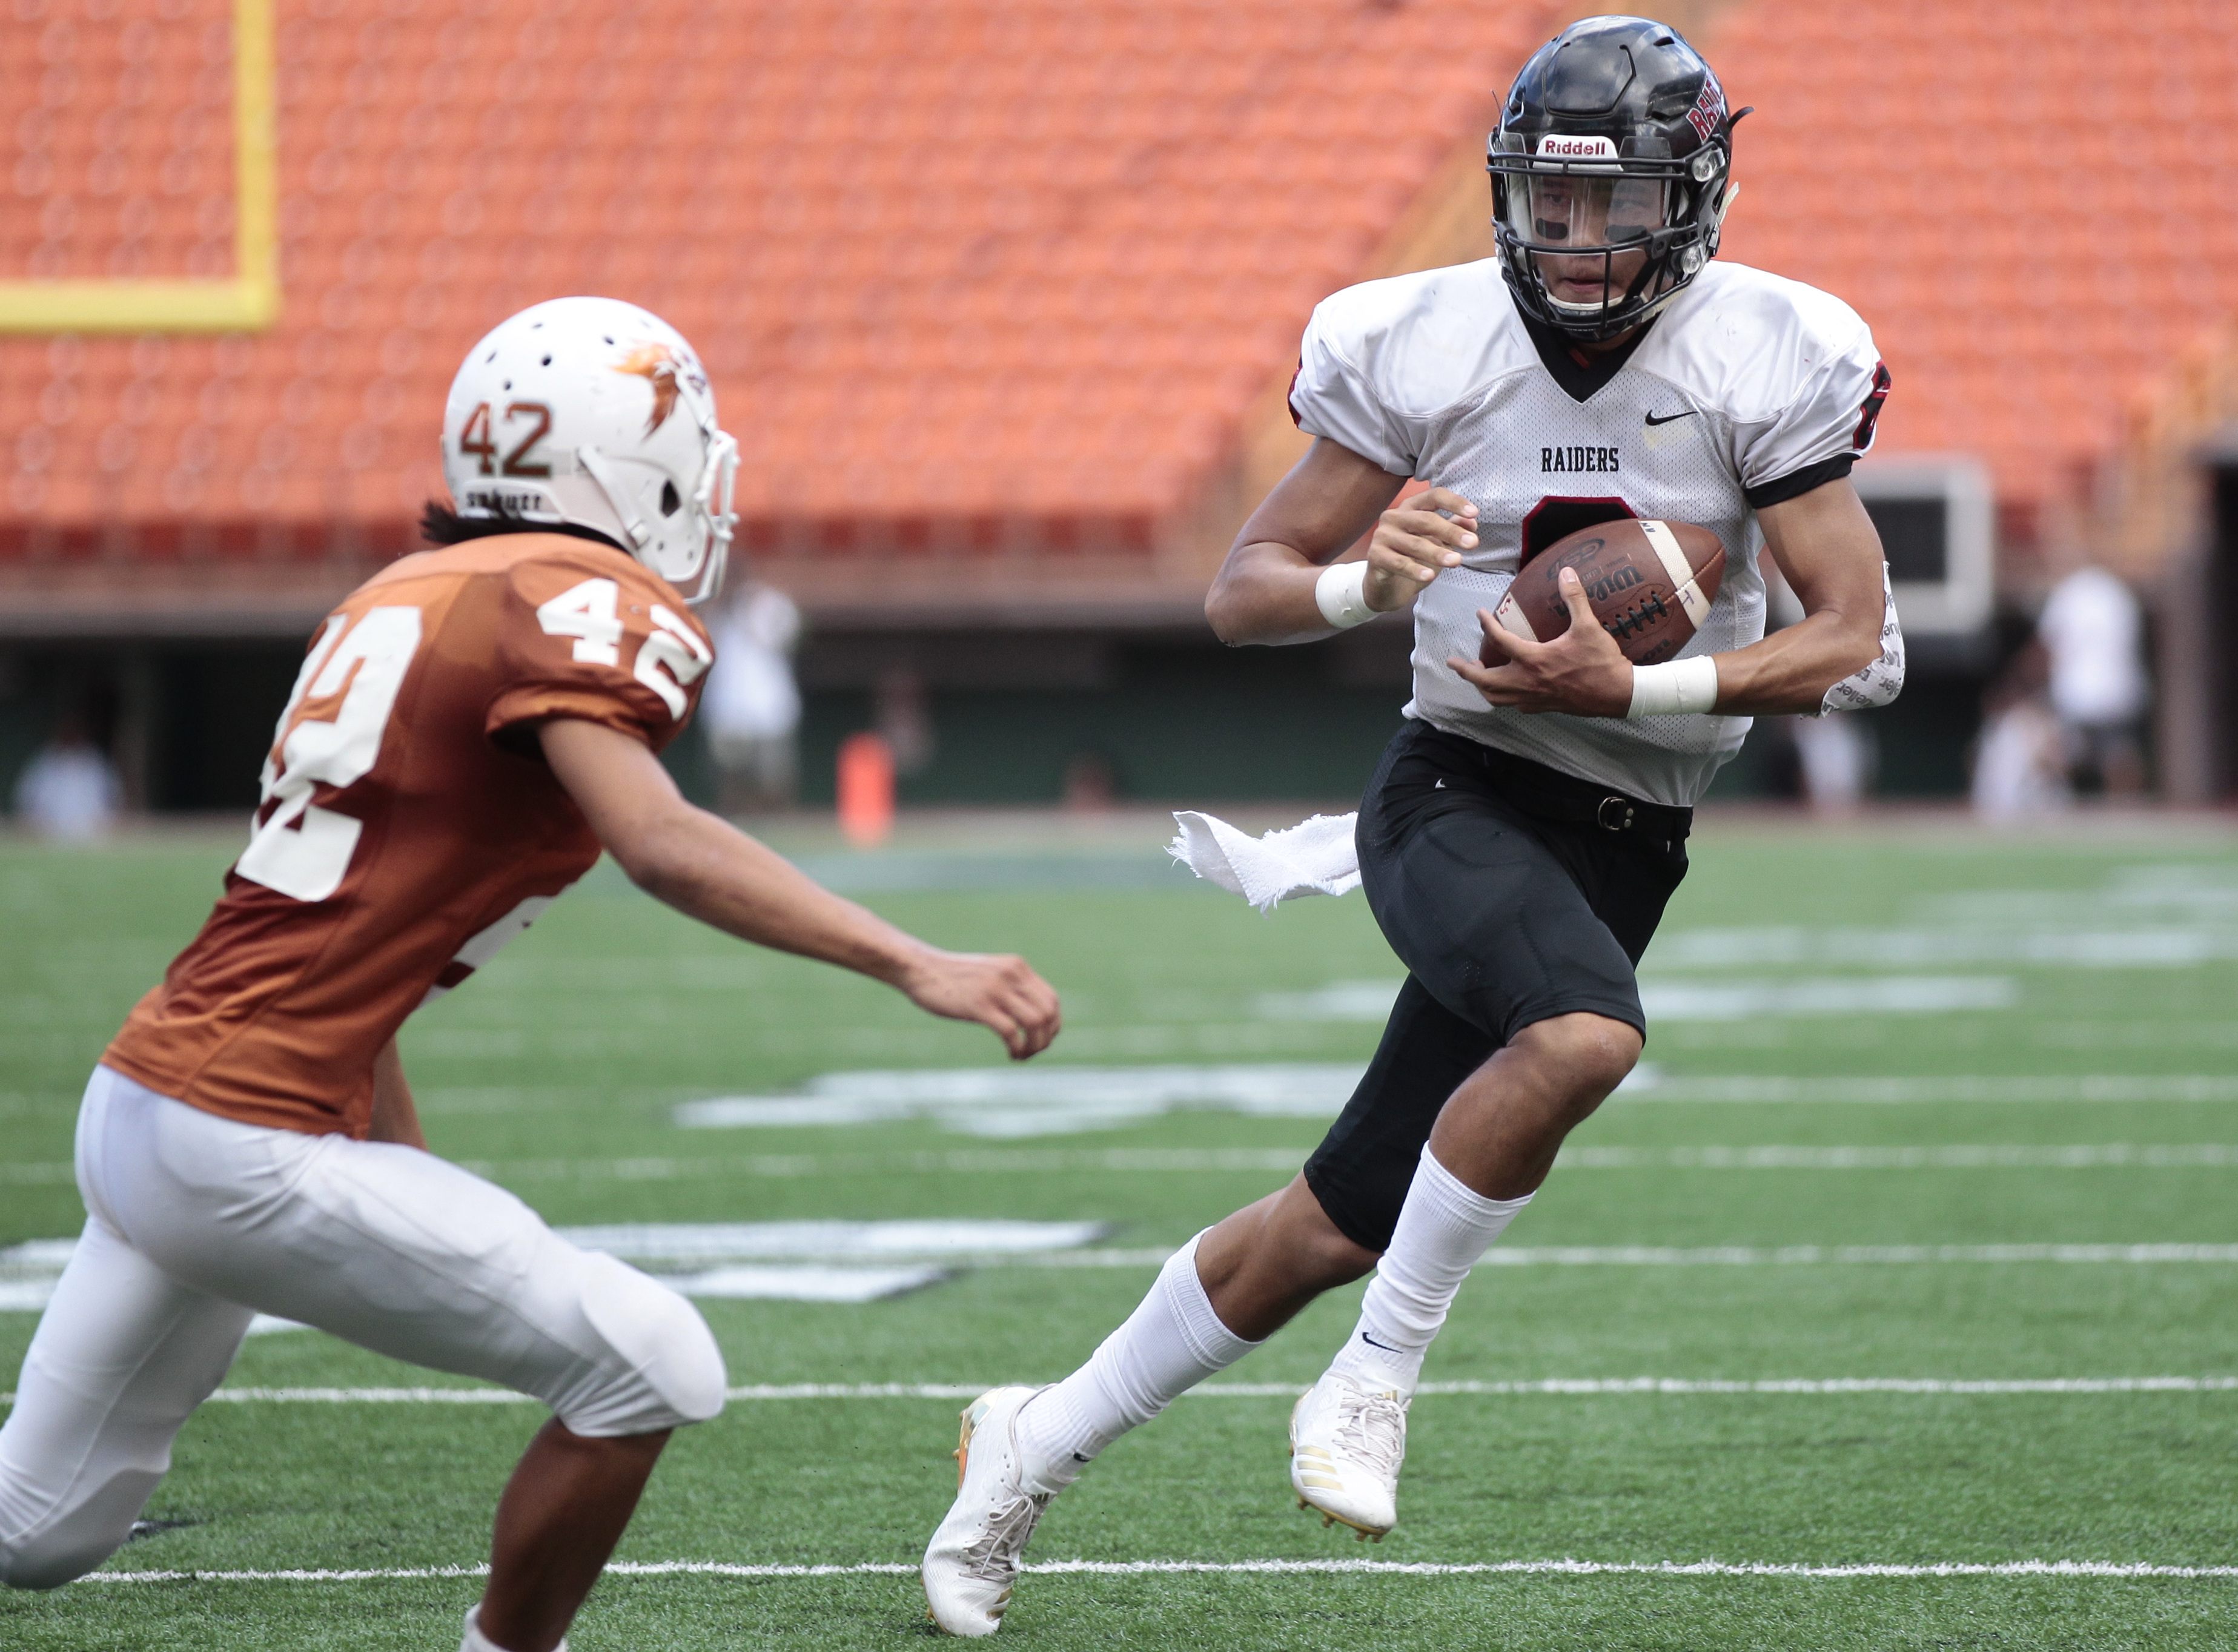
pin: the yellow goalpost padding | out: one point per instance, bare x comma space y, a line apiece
248, 300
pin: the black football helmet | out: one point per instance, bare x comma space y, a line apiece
1615, 142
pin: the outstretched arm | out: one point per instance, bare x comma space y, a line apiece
708, 869
1264, 591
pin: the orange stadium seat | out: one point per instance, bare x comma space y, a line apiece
1026, 262
2031, 208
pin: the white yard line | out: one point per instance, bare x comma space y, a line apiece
1696, 999
1170, 1161
2130, 1155
2101, 1088
1805, 1385
28, 1293
963, 1162
827, 1240
1524, 1256
1953, 1156
49, 1173
1276, 1568
1854, 1255
1960, 1386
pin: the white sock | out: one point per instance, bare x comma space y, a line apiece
1168, 1345
1443, 1228
477, 1642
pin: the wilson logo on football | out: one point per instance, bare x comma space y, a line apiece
1555, 147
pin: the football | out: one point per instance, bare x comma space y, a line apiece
1650, 584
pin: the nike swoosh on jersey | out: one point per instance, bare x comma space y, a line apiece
1665, 419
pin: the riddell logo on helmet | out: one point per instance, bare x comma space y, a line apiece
1555, 147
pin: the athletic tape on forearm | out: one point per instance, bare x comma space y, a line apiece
1677, 685
1341, 594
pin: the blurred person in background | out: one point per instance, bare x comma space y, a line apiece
1837, 754
901, 712
1091, 785
2092, 629
751, 703
69, 790
2020, 763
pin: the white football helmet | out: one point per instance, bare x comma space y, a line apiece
597, 414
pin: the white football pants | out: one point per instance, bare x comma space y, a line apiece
196, 1223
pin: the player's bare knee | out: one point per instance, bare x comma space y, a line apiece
1583, 1056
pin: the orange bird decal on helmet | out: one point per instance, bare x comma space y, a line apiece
656, 363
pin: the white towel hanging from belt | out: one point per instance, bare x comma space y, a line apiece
1316, 857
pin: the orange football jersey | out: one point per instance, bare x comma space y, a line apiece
409, 826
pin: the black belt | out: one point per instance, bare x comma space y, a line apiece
1548, 794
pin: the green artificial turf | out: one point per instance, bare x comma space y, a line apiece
556, 1070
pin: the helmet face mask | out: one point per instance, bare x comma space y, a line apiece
1609, 176
595, 415
1590, 239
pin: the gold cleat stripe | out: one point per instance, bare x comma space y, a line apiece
1366, 1534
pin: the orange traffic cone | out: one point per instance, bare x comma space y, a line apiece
866, 789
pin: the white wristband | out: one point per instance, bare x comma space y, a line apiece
1676, 685
1341, 594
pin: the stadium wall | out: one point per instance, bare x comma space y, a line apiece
1022, 716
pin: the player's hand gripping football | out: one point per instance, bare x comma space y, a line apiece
1413, 544
1000, 992
1582, 672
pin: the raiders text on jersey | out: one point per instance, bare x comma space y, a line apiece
1568, 462
1748, 389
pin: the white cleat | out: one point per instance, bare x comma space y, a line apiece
1346, 1442
973, 1558
477, 1642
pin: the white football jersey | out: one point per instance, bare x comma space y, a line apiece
1748, 389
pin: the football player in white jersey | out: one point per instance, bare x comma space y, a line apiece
1519, 840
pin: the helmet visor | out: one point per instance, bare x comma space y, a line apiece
1588, 235
1565, 209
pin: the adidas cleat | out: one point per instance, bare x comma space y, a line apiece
1346, 1442
972, 1561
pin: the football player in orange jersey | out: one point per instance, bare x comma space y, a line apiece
469, 728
